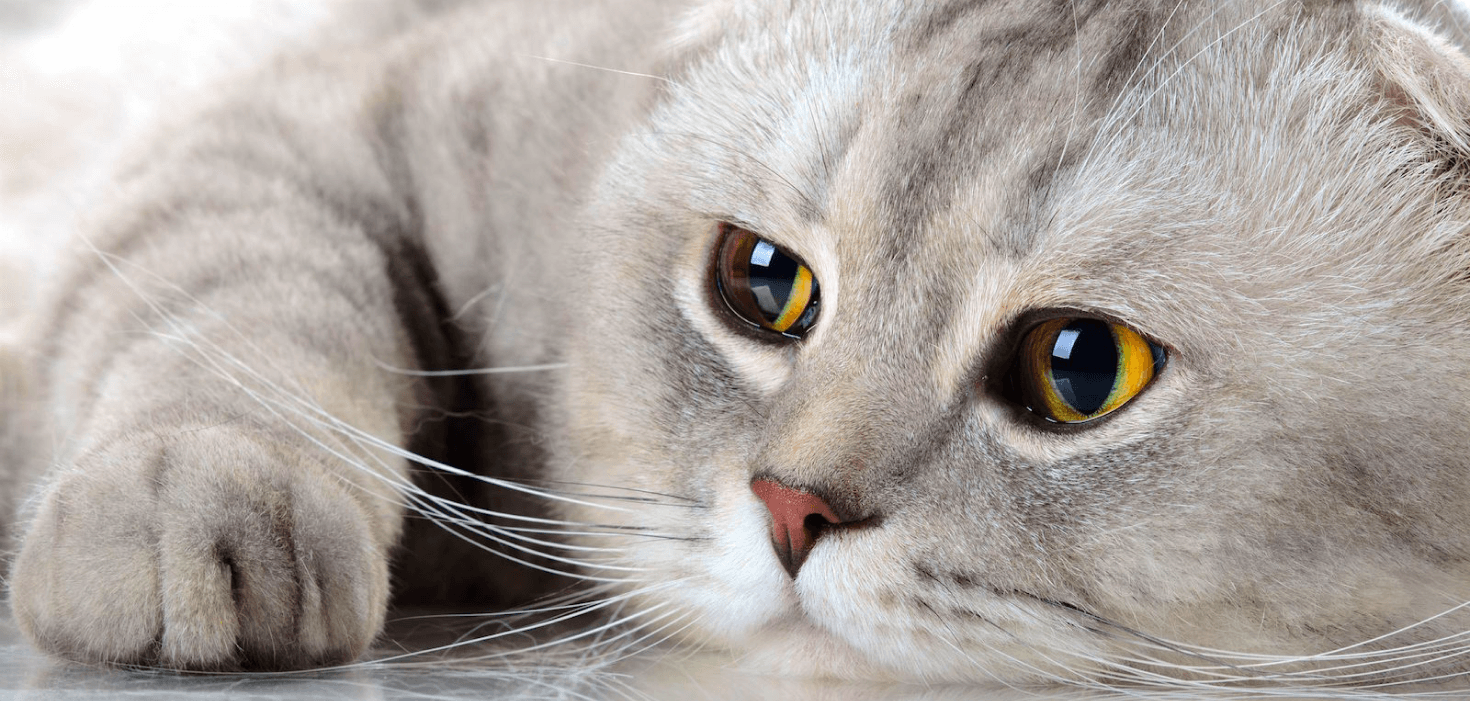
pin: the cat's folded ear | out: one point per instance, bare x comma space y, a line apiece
1426, 72
697, 31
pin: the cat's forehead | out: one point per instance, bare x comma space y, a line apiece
909, 111
1080, 148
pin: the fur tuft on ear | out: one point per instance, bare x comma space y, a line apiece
1426, 74
700, 26
698, 31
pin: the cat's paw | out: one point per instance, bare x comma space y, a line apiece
209, 549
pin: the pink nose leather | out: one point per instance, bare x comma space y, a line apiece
792, 532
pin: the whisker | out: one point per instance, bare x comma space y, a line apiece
218, 352
536, 625
604, 69
635, 490
443, 508
509, 369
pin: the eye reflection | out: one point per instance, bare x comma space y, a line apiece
1078, 369
764, 285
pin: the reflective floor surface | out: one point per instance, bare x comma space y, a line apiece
26, 674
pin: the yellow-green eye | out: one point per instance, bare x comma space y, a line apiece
764, 285
1078, 369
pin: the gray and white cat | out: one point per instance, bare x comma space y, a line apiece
944, 341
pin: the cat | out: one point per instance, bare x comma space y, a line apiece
951, 341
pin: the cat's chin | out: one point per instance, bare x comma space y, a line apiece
751, 608
796, 647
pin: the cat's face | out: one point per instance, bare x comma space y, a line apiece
1256, 192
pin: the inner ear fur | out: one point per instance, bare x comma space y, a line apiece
1426, 76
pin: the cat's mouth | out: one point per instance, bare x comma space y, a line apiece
829, 629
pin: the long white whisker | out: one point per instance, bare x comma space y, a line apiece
481, 529
506, 370
604, 69
537, 625
217, 352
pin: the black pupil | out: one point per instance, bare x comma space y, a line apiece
1084, 364
772, 275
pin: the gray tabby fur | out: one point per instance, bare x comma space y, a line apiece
1274, 190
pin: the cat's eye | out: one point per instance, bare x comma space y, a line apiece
1078, 369
765, 285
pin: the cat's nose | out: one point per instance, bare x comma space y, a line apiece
797, 519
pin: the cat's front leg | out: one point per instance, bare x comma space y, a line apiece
226, 493
220, 373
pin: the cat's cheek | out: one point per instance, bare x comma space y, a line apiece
766, 368
848, 590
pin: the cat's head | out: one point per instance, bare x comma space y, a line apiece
1232, 232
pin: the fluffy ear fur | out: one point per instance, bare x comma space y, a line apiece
1426, 74
698, 32
700, 27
